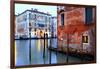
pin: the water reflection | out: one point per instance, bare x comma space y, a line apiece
22, 50
38, 56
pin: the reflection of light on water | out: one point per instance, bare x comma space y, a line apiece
45, 43
15, 52
38, 45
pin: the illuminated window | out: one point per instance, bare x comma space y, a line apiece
35, 29
85, 39
35, 33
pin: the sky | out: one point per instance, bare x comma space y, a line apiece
19, 8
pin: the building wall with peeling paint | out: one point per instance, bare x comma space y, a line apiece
71, 33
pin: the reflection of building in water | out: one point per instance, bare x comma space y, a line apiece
40, 23
54, 27
76, 28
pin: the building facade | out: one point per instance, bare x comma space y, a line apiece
54, 27
39, 22
76, 28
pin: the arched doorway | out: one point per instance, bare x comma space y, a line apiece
41, 33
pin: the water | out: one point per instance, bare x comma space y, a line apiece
23, 57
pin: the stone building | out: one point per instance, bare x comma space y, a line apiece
39, 22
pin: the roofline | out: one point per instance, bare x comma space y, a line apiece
33, 11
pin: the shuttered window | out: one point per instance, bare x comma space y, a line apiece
62, 19
88, 15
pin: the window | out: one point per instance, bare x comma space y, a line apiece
35, 33
49, 20
46, 30
62, 19
34, 24
40, 18
88, 15
41, 25
85, 39
45, 19
35, 29
32, 16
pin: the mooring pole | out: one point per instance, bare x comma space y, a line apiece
47, 40
30, 44
44, 47
67, 52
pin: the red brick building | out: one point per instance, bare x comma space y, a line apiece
76, 28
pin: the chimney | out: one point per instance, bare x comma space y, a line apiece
35, 9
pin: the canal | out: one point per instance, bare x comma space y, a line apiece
36, 55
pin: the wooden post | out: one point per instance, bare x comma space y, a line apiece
82, 48
67, 48
30, 50
47, 40
44, 47
50, 51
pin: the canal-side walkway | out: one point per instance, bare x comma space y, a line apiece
75, 53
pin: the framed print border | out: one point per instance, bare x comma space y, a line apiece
12, 26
